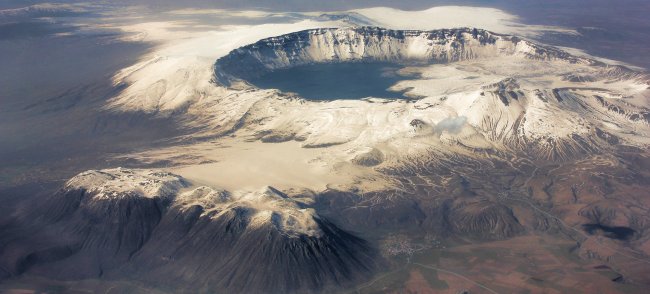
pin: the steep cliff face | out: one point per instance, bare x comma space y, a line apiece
477, 91
367, 44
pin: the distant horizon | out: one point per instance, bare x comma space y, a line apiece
325, 147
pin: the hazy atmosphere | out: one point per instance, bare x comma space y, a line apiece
325, 146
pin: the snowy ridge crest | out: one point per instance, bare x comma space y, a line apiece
362, 44
267, 207
260, 209
117, 182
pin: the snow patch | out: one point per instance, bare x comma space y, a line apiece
266, 207
118, 182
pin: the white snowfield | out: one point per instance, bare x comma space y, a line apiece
376, 44
267, 206
504, 94
263, 207
118, 182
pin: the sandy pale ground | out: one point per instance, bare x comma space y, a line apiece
238, 165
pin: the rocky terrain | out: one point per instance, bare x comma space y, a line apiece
123, 223
518, 112
502, 141
368, 44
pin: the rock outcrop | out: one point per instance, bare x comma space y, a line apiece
136, 224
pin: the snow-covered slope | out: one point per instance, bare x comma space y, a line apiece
115, 182
263, 208
495, 127
369, 44
528, 98
266, 207
137, 224
476, 93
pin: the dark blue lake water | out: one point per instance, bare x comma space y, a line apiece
333, 81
